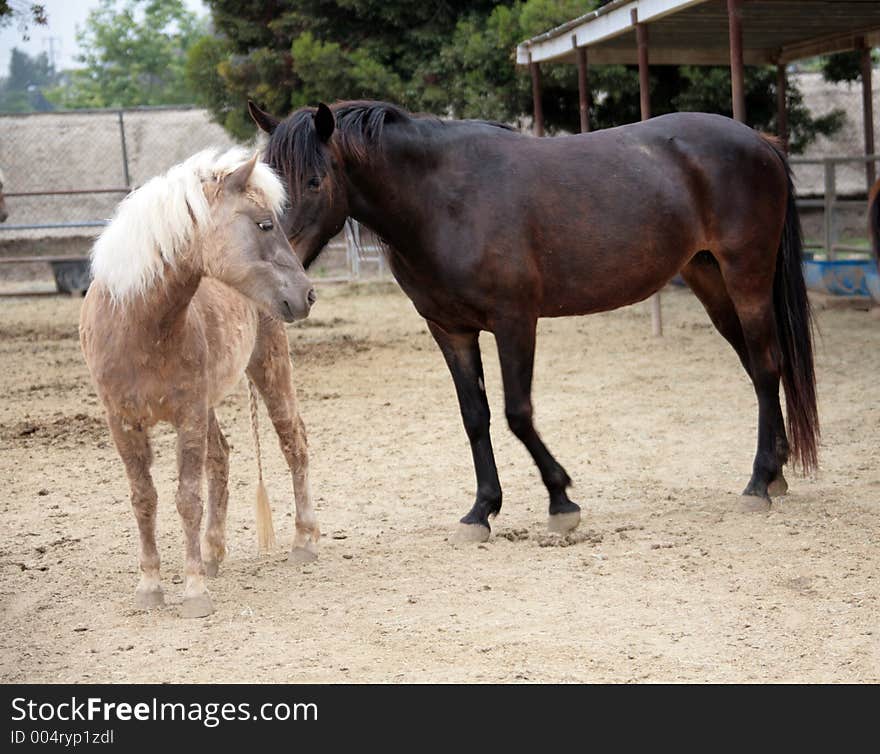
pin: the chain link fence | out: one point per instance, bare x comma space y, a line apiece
64, 174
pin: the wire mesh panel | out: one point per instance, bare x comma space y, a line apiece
822, 97
65, 172
43, 158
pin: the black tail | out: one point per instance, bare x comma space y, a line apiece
795, 333
874, 221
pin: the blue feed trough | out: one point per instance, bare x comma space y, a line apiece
845, 277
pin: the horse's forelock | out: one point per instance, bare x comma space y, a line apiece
294, 151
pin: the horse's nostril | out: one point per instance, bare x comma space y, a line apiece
312, 297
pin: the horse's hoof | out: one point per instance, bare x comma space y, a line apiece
470, 533
778, 487
212, 568
302, 555
754, 504
197, 606
562, 523
148, 599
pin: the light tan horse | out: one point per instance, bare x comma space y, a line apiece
190, 278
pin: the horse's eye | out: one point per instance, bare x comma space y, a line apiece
314, 183
265, 225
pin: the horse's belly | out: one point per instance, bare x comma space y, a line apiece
576, 284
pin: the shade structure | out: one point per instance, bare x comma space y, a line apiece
696, 32
709, 32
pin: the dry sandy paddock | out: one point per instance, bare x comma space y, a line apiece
668, 580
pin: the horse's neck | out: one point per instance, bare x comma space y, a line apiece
389, 196
163, 307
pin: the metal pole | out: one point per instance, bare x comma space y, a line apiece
124, 149
782, 105
645, 105
830, 197
644, 80
737, 74
583, 88
537, 108
868, 110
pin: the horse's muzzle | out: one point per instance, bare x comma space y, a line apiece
298, 306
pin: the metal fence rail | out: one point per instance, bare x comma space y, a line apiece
831, 202
66, 171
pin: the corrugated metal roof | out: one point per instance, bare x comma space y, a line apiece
696, 31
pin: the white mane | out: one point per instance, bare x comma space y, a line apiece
156, 223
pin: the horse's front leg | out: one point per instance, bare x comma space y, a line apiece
133, 445
272, 373
192, 442
462, 354
516, 351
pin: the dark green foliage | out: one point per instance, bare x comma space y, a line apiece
452, 58
843, 66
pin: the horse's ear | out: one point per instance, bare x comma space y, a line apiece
237, 180
264, 121
324, 122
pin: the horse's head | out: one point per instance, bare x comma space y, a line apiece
246, 248
300, 148
3, 213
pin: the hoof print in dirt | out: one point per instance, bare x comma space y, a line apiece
753, 504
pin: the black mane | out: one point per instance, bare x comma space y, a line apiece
295, 153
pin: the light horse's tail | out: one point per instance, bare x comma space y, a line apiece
794, 329
265, 530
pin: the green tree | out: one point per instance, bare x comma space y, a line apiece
449, 58
843, 66
22, 89
286, 54
135, 55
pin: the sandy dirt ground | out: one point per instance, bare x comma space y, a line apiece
667, 579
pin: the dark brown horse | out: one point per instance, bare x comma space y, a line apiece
488, 229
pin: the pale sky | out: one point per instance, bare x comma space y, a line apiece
64, 17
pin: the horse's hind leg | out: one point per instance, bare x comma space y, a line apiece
748, 278
703, 276
271, 372
217, 471
516, 351
133, 445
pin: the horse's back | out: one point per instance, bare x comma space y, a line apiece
643, 198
